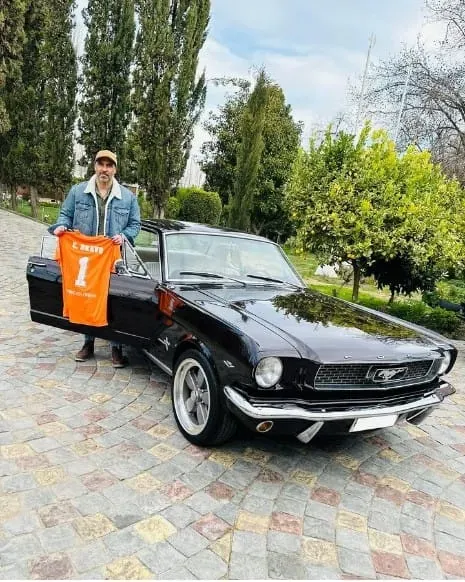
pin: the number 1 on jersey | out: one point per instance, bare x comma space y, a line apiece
81, 278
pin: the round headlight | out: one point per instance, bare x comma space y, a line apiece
445, 361
268, 372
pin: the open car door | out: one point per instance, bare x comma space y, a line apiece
132, 300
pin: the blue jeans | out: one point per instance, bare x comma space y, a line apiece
90, 338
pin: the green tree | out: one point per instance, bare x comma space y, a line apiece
249, 155
357, 201
427, 228
168, 94
220, 153
105, 108
38, 148
20, 147
60, 85
198, 205
11, 46
281, 137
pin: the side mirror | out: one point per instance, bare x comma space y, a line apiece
120, 267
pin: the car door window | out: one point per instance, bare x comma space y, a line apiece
147, 250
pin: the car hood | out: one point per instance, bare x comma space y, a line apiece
320, 327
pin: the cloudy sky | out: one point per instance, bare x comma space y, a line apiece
312, 48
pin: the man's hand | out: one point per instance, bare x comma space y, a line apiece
117, 239
59, 230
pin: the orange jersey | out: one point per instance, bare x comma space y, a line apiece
86, 263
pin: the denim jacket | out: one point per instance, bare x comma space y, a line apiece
79, 211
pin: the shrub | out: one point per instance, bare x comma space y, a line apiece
173, 207
434, 318
442, 321
197, 205
414, 311
451, 291
431, 298
146, 207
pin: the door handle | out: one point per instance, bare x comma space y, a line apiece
35, 264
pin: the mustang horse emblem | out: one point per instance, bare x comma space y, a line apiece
386, 374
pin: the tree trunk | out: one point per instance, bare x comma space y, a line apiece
391, 298
158, 211
356, 285
34, 202
157, 197
14, 200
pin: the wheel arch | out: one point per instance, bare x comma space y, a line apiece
193, 343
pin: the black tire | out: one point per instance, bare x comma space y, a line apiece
194, 386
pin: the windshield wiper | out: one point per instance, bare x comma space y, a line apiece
271, 280
211, 275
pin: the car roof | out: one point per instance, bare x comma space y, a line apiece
167, 226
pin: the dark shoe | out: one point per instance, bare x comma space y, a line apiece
85, 353
117, 358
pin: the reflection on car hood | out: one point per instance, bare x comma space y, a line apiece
321, 327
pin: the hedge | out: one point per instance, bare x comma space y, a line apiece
197, 205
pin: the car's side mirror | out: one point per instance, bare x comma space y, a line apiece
120, 267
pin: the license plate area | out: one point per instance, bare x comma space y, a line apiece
372, 422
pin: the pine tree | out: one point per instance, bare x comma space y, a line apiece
249, 154
41, 102
168, 95
106, 81
281, 138
24, 98
60, 100
11, 46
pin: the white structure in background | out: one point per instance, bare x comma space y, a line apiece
79, 152
193, 175
333, 271
326, 271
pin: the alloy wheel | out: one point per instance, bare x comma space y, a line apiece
191, 396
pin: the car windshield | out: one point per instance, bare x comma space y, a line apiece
226, 256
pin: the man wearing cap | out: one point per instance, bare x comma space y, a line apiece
100, 206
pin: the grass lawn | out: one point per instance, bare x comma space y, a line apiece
307, 264
47, 214
410, 309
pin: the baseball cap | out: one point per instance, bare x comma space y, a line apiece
106, 154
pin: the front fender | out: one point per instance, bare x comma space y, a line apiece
228, 368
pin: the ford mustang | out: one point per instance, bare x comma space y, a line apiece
248, 343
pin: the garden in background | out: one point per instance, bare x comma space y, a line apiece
388, 205
413, 308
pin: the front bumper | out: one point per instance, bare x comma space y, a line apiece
309, 422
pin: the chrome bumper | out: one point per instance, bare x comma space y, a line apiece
294, 412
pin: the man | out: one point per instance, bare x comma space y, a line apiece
100, 206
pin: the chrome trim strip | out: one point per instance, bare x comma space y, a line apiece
293, 412
160, 364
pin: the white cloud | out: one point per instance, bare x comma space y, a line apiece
312, 49
315, 84
430, 33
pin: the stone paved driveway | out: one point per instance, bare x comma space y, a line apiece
96, 482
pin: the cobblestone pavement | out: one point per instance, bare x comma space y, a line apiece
96, 482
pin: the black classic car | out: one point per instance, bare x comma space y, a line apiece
244, 339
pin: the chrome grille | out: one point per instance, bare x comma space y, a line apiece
361, 375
